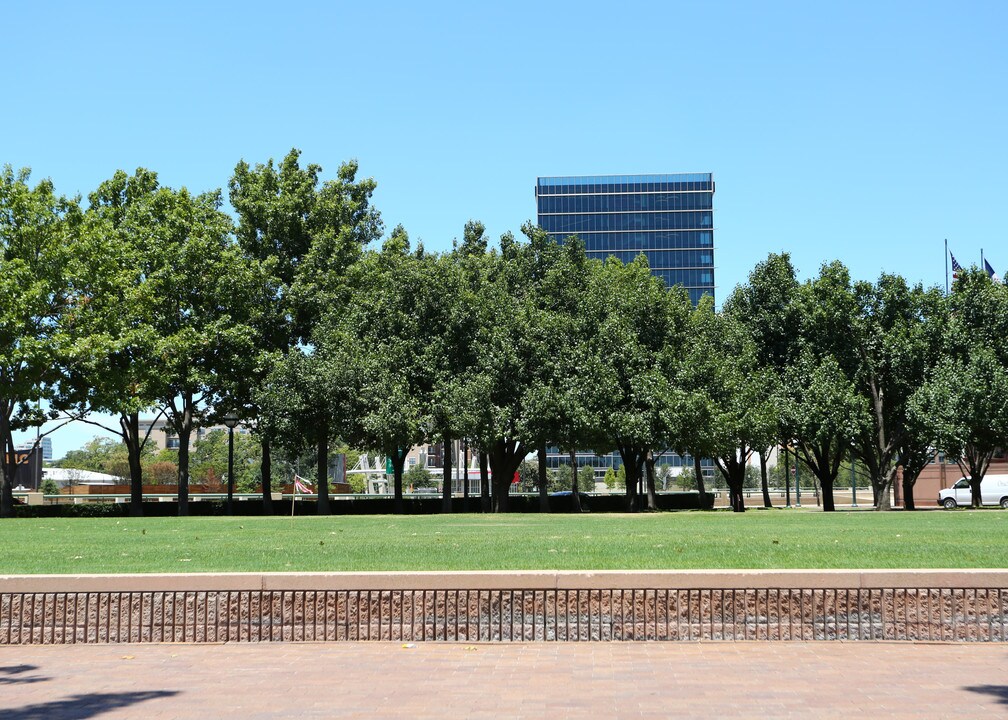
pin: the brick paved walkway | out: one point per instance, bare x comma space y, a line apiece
766, 680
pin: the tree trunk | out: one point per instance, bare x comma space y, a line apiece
633, 475
882, 501
739, 483
698, 471
733, 470
501, 498
764, 483
908, 494
975, 491
130, 424
484, 483
322, 470
505, 457
446, 475
266, 470
735, 496
827, 494
543, 474
184, 430
575, 493
649, 468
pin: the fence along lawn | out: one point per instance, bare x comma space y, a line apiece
716, 540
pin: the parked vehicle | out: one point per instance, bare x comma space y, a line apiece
563, 501
993, 491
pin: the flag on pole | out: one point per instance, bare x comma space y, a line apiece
990, 272
300, 486
956, 267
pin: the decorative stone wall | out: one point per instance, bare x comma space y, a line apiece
936, 605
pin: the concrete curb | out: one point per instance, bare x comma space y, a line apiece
506, 580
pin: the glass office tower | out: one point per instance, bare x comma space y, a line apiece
668, 218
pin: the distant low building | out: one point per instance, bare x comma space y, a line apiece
164, 438
68, 477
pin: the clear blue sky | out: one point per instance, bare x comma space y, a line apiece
868, 132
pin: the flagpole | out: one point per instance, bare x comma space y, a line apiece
293, 495
946, 267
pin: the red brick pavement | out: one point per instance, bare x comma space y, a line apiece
591, 680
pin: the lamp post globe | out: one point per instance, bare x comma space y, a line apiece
230, 421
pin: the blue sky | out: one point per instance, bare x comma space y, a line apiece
868, 132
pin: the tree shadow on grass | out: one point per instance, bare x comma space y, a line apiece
998, 691
78, 707
15, 675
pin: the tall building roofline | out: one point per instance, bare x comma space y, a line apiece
549, 180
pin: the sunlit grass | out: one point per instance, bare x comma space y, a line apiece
775, 539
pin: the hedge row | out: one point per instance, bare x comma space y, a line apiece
363, 506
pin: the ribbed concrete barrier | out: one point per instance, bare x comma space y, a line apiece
913, 605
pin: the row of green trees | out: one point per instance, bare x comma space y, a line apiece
149, 299
207, 462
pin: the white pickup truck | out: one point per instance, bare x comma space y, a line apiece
993, 491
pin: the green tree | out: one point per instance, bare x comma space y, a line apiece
207, 298
897, 336
686, 479
740, 395
306, 394
39, 232
418, 477
766, 306
637, 320
610, 478
308, 234
283, 213
822, 409
564, 397
965, 399
119, 255
509, 359
209, 460
379, 338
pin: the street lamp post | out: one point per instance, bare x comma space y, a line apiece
230, 420
853, 487
797, 482
787, 477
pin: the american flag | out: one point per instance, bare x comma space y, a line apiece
301, 487
956, 267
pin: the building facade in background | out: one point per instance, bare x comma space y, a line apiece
668, 218
164, 438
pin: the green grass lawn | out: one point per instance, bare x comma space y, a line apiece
775, 539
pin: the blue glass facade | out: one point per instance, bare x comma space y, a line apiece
668, 218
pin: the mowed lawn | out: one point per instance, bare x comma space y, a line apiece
715, 540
